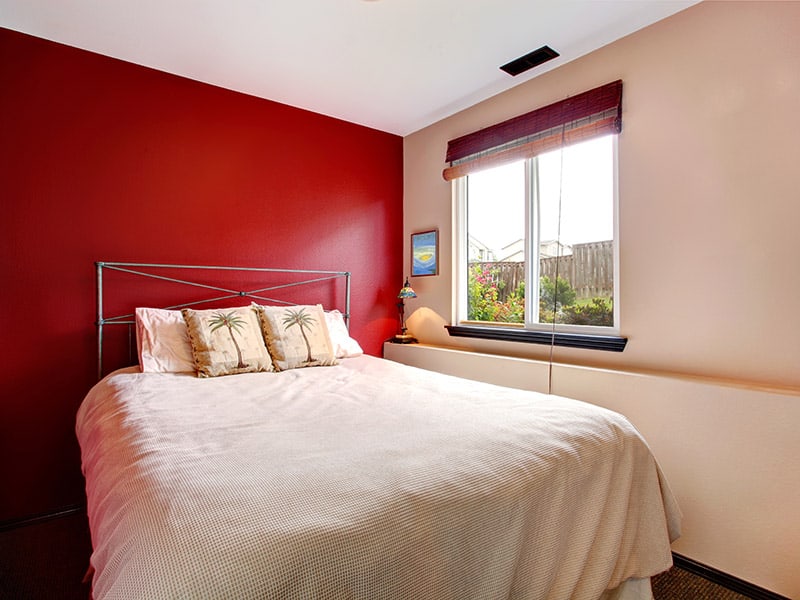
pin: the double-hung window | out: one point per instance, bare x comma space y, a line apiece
535, 225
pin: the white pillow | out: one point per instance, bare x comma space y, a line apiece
343, 345
163, 341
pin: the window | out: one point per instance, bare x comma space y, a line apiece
544, 224
536, 245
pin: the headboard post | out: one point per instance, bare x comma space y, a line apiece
99, 323
347, 299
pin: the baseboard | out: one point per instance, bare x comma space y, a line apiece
740, 586
65, 511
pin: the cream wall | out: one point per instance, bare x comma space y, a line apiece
709, 192
709, 263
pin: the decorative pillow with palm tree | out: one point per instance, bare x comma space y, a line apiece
226, 341
297, 336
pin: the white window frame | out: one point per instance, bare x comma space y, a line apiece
460, 257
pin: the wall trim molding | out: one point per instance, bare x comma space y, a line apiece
36, 519
730, 582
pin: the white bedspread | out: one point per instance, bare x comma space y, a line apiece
368, 480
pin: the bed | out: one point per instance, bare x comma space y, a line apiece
362, 478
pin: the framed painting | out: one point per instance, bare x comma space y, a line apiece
425, 253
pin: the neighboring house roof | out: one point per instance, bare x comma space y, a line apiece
479, 251
513, 252
553, 248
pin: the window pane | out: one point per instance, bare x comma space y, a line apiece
496, 244
576, 196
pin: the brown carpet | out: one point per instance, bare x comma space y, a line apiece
48, 560
677, 584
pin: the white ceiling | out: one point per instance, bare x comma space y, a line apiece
394, 65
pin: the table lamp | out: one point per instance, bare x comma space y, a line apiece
405, 292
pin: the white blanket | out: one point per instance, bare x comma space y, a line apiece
366, 480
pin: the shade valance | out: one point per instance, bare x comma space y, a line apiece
577, 118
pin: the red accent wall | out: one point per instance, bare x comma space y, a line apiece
105, 160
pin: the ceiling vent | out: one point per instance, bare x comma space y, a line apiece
530, 60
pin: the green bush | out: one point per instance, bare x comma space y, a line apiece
483, 291
599, 311
556, 300
513, 309
555, 296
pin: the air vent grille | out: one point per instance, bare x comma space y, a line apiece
530, 60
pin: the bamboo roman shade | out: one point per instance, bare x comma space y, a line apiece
575, 119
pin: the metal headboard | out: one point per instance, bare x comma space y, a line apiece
135, 269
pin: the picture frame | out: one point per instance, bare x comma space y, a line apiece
425, 253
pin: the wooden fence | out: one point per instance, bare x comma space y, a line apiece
589, 270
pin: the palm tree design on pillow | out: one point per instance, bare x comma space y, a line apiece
233, 322
303, 320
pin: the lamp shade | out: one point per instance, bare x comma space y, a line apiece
406, 291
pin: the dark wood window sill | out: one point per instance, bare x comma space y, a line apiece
586, 341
